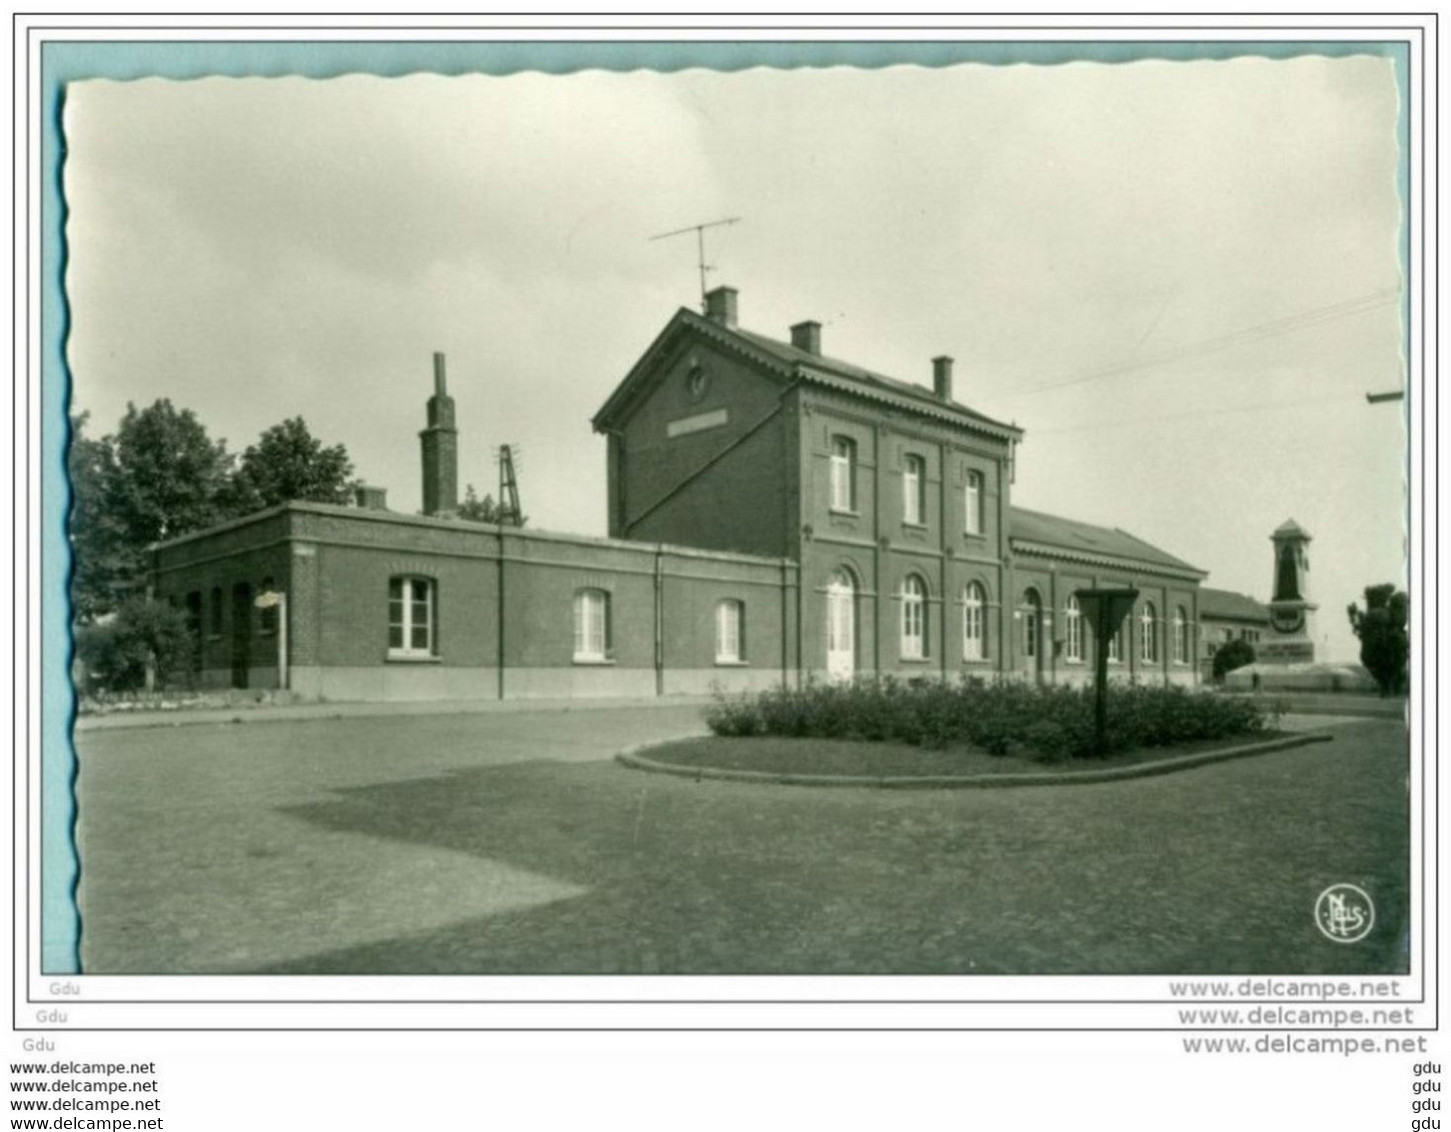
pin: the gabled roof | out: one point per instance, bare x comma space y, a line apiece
1230, 606
1033, 532
792, 364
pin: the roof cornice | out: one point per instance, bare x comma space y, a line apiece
1114, 561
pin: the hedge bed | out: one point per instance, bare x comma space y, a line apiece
844, 762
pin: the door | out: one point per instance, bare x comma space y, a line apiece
1032, 613
840, 627
241, 633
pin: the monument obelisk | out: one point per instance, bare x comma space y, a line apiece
1291, 638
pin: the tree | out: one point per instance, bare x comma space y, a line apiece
101, 556
1385, 646
286, 463
1231, 655
485, 510
143, 636
169, 474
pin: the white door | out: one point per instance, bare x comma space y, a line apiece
840, 627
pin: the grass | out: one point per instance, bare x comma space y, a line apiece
515, 845
775, 755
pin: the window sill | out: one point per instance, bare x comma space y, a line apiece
915, 659
732, 663
977, 660
911, 526
413, 658
981, 536
595, 661
844, 513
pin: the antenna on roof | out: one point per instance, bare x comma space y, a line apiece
699, 230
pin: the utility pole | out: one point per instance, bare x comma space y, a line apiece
699, 230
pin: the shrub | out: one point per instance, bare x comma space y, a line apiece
1231, 655
117, 652
1050, 723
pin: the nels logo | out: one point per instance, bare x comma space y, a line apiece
1344, 913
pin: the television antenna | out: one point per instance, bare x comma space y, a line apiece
699, 230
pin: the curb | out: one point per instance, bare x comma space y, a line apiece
634, 758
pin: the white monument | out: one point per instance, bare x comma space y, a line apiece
1291, 638
1285, 655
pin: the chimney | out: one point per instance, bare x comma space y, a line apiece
942, 378
371, 498
440, 448
720, 306
807, 336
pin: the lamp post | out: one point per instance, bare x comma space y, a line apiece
1106, 610
278, 599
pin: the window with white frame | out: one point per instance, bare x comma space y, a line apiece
914, 489
1072, 629
411, 604
973, 517
1181, 635
1116, 646
1148, 634
591, 625
730, 619
843, 474
974, 623
914, 618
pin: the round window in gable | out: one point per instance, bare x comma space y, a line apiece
697, 382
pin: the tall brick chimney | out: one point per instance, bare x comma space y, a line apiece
942, 378
440, 448
807, 336
720, 306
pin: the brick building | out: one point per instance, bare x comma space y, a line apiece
773, 514
1226, 616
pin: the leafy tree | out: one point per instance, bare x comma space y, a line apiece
1383, 629
169, 474
144, 634
485, 510
1231, 655
101, 557
286, 463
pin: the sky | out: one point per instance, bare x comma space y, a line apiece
1180, 279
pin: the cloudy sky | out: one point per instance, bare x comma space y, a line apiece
1179, 278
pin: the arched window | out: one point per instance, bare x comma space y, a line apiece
973, 518
843, 474
1148, 634
1072, 629
914, 489
841, 626
410, 617
1181, 635
914, 618
591, 625
974, 623
730, 620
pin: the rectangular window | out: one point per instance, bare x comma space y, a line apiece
973, 523
843, 474
914, 489
729, 616
410, 617
591, 625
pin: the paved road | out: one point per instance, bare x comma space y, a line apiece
510, 842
